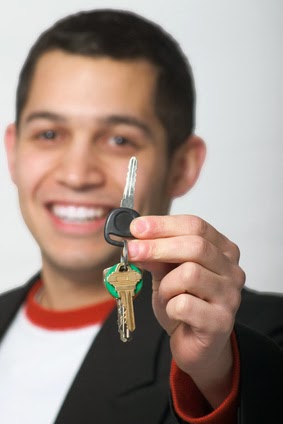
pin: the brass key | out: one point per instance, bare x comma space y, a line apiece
124, 281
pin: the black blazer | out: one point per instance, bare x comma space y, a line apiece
261, 384
117, 382
128, 382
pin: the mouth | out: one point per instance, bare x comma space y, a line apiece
78, 214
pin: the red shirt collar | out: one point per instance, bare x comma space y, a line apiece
68, 319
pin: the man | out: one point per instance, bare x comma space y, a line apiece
96, 89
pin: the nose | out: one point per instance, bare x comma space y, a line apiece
79, 168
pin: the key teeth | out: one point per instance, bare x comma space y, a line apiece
123, 330
127, 338
128, 195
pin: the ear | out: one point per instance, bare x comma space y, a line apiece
10, 145
186, 166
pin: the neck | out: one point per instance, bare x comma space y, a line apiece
69, 290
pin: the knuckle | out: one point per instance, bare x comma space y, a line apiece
240, 277
236, 252
201, 246
232, 299
233, 252
233, 294
178, 306
198, 225
191, 272
182, 304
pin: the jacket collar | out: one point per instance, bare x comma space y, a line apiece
112, 371
11, 301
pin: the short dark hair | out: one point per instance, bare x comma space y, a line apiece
123, 35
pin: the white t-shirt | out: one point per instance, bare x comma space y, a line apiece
40, 356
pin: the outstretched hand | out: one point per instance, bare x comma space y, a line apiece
197, 285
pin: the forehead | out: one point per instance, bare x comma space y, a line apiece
80, 85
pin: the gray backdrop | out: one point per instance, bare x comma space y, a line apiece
235, 50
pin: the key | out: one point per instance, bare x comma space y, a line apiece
124, 283
119, 220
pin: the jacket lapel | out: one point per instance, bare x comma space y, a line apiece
10, 303
117, 375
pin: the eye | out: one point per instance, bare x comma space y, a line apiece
119, 141
48, 135
116, 143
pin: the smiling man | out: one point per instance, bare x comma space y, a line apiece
97, 88
69, 159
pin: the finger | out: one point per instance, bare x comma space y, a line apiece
201, 316
157, 269
151, 227
179, 250
196, 280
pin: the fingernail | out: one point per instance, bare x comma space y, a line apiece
140, 225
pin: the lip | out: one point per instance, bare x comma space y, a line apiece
84, 227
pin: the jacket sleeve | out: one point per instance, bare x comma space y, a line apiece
190, 405
261, 381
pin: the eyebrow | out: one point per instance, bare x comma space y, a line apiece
108, 120
128, 120
45, 115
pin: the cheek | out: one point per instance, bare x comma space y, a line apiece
151, 186
115, 173
30, 171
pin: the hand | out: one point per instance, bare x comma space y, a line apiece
197, 285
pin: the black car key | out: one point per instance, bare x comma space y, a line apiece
119, 220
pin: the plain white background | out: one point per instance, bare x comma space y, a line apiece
235, 50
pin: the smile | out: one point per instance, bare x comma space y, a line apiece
78, 214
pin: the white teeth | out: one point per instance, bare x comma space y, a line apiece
77, 213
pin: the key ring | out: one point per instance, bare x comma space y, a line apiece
124, 255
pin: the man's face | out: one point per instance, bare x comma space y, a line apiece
84, 119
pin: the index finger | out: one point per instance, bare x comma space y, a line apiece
165, 226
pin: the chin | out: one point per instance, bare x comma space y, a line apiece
80, 263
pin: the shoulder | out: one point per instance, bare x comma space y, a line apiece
11, 301
12, 293
18, 291
14, 297
262, 312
